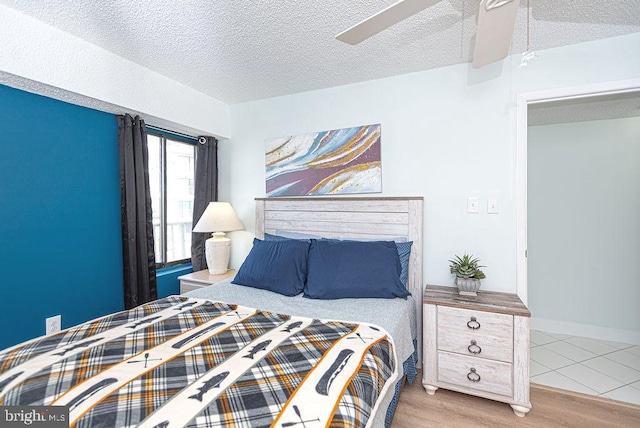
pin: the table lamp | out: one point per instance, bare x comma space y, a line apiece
218, 218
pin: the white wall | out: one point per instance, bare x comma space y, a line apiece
447, 134
41, 59
584, 223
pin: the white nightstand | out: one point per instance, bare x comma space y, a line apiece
477, 345
202, 278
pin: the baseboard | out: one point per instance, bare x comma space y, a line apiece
586, 330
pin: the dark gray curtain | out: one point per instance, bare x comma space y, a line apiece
206, 191
139, 264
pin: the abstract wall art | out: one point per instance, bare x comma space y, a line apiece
325, 163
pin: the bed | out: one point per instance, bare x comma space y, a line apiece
230, 355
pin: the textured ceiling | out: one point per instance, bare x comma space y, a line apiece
241, 50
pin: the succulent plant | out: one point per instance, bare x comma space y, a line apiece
466, 267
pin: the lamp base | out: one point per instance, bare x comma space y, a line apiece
217, 253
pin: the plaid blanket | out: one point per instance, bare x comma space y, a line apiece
182, 361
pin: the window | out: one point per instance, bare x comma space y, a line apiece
171, 180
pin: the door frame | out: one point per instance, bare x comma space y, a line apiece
523, 100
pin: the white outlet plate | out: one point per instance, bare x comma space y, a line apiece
53, 324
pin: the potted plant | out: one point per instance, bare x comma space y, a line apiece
468, 274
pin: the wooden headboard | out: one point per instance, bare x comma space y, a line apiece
352, 218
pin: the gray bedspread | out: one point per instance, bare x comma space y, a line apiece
397, 316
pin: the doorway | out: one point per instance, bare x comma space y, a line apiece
559, 163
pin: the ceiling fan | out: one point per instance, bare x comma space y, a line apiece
496, 20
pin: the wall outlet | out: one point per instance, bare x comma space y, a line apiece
53, 324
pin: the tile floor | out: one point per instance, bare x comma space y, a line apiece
590, 366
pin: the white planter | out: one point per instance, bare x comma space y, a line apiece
468, 286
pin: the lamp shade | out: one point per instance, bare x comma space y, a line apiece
218, 217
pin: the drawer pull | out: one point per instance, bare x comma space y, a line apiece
473, 324
473, 376
474, 348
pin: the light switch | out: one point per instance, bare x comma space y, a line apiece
472, 205
493, 205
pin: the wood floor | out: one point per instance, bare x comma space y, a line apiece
550, 408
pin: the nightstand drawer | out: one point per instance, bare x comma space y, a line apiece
491, 376
475, 345
463, 321
187, 286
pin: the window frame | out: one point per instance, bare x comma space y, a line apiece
164, 135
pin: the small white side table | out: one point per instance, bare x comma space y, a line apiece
477, 345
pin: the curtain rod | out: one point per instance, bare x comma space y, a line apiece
180, 134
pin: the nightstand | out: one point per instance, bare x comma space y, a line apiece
477, 345
201, 279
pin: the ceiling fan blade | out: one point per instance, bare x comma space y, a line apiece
383, 20
496, 20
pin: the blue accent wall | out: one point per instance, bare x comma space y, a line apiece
167, 279
60, 245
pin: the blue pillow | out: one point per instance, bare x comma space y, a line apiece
404, 252
278, 266
270, 237
296, 235
404, 248
353, 269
